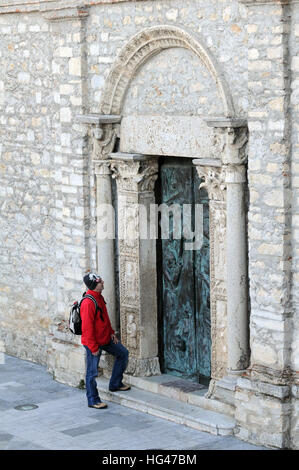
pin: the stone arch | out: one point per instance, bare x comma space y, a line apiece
140, 48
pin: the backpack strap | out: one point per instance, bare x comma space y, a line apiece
88, 296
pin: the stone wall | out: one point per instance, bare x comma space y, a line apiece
55, 60
47, 179
55, 64
268, 398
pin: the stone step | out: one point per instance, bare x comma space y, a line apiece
182, 390
169, 408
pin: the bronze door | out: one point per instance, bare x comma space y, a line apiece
184, 287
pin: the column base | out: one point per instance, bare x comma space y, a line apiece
136, 366
224, 389
140, 367
264, 413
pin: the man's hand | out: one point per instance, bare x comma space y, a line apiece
96, 353
114, 339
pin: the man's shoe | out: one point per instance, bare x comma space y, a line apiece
98, 406
122, 388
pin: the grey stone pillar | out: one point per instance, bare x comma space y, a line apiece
135, 176
106, 234
236, 256
233, 164
234, 177
104, 130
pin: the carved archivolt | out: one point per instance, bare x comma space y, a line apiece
140, 48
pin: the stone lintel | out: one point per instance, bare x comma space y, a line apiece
224, 122
98, 119
207, 162
131, 157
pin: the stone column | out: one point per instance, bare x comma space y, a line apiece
136, 176
236, 256
106, 234
104, 130
233, 165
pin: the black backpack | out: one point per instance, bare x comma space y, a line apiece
75, 322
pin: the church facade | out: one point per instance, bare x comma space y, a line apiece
156, 143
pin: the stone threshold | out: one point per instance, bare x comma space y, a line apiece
160, 384
168, 408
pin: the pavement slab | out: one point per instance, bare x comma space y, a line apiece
64, 421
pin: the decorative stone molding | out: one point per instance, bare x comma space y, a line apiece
266, 2
67, 14
146, 44
211, 172
104, 130
22, 6
260, 373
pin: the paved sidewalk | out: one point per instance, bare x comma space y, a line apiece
62, 419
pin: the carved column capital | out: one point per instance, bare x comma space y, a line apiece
234, 157
236, 132
102, 167
236, 146
104, 130
213, 178
137, 173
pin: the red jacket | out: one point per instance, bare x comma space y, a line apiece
95, 332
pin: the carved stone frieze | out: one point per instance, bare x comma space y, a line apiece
129, 281
130, 331
135, 176
218, 287
212, 175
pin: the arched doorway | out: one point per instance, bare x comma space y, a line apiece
135, 176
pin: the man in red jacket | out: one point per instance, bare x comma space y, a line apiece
98, 335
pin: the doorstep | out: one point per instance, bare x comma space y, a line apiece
179, 389
169, 408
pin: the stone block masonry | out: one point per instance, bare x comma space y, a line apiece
55, 59
46, 209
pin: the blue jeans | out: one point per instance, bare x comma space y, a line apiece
92, 362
